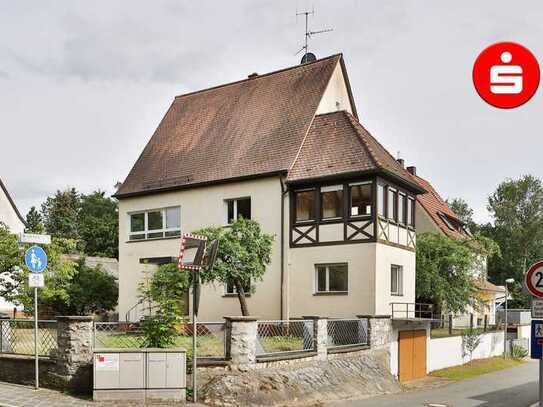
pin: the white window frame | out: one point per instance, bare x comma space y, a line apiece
146, 230
399, 279
235, 291
235, 201
316, 278
402, 213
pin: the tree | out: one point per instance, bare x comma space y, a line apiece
98, 225
471, 338
517, 210
462, 209
164, 291
446, 269
244, 252
34, 221
60, 213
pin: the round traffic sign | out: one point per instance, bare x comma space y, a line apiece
36, 259
534, 279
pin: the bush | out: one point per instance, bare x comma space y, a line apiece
518, 352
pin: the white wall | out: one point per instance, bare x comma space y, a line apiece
447, 352
395, 338
204, 207
335, 96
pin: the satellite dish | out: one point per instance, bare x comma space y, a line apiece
308, 57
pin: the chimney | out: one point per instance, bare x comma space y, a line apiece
401, 161
253, 75
412, 170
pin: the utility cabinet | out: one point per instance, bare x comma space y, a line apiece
139, 374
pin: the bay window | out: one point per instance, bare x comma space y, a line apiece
332, 202
305, 205
361, 199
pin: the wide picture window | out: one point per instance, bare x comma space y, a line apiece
155, 224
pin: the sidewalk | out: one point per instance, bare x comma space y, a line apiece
14, 395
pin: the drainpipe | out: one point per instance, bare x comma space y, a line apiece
283, 194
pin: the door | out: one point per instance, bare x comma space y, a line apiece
412, 355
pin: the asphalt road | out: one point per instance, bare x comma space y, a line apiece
515, 387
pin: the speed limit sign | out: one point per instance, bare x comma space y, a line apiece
534, 279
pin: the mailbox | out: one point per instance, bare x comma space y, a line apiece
139, 374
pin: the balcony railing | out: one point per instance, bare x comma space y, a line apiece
412, 310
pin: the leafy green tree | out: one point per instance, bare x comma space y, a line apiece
98, 225
34, 221
60, 214
517, 210
244, 252
91, 290
471, 339
70, 287
164, 291
464, 212
446, 269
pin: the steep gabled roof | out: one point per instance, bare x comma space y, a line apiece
10, 199
337, 144
242, 129
439, 211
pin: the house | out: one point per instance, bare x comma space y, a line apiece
433, 215
11, 217
9, 214
286, 149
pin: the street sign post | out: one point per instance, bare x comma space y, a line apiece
533, 281
34, 238
36, 261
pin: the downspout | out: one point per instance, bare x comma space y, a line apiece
284, 191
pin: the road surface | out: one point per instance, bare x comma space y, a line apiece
515, 387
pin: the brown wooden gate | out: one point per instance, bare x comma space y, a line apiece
412, 355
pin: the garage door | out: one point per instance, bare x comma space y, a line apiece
412, 355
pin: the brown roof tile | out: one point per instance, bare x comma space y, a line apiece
435, 207
246, 128
338, 144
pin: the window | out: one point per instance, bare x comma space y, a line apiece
238, 208
155, 224
305, 205
401, 208
332, 202
396, 280
392, 204
361, 199
230, 288
410, 212
447, 221
331, 278
381, 199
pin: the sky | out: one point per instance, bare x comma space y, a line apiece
84, 84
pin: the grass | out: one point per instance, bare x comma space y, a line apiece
272, 344
21, 341
477, 367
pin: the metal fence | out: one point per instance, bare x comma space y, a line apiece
17, 337
210, 340
347, 332
275, 337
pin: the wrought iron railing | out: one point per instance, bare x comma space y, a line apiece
347, 332
17, 337
412, 310
285, 336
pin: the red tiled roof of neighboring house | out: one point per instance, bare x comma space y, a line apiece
337, 144
437, 209
243, 129
10, 199
488, 286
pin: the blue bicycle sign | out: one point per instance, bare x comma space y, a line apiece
36, 259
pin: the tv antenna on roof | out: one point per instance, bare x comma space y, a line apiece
308, 56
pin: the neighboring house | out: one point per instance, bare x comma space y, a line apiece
9, 214
287, 150
435, 216
11, 217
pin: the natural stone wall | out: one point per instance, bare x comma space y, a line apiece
379, 331
70, 368
343, 376
241, 333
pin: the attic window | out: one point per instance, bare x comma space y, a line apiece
447, 221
